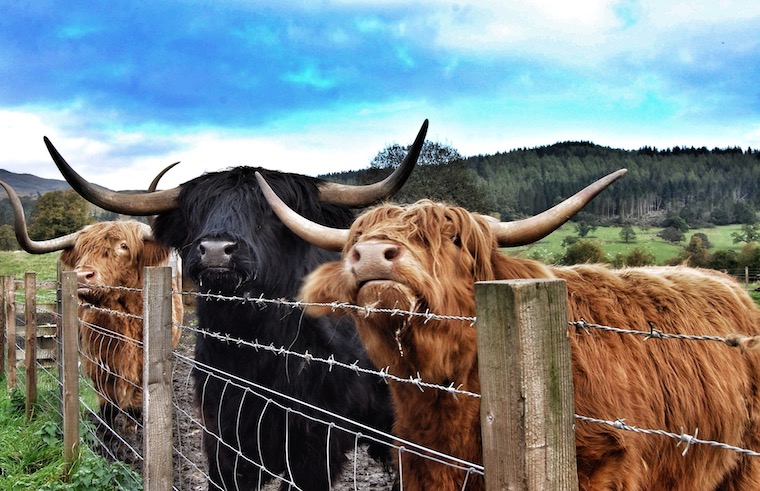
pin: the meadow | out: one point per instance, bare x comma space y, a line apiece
550, 249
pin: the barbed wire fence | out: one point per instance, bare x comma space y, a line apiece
132, 436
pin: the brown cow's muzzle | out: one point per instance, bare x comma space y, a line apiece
374, 260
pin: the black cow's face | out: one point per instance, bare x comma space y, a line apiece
232, 243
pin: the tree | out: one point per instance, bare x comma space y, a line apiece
627, 234
725, 260
639, 257
672, 235
584, 251
676, 222
705, 240
584, 228
58, 213
750, 233
8, 240
695, 254
442, 175
745, 213
432, 153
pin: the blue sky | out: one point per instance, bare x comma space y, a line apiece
122, 88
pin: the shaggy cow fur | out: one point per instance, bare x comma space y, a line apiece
428, 256
261, 257
114, 254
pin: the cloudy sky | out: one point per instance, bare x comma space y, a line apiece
122, 88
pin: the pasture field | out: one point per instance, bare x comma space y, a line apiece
19, 263
550, 249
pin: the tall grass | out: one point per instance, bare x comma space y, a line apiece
31, 452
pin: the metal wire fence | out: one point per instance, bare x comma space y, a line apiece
125, 438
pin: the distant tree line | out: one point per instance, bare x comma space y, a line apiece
701, 186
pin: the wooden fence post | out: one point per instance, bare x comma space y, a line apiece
30, 342
70, 366
527, 409
10, 330
157, 379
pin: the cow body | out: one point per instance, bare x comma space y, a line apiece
109, 259
428, 256
232, 244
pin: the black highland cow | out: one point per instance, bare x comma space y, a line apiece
232, 243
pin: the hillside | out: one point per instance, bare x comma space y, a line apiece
718, 186
31, 185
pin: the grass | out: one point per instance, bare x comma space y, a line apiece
550, 248
18, 263
31, 452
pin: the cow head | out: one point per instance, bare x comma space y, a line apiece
112, 254
106, 253
227, 234
420, 257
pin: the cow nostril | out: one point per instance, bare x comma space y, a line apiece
202, 249
355, 256
391, 253
230, 248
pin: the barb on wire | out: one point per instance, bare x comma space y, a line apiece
334, 306
683, 438
735, 340
332, 362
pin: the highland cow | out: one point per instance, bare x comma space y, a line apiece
109, 259
232, 244
429, 256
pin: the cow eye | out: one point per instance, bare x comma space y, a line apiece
457, 241
123, 246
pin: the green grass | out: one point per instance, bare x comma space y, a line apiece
31, 452
550, 248
18, 263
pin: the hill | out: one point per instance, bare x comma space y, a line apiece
31, 185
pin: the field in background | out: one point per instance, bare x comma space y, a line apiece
550, 248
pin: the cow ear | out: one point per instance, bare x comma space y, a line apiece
154, 254
69, 258
323, 286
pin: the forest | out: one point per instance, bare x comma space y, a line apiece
704, 187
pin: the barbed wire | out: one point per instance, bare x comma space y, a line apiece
298, 304
332, 362
734, 340
682, 437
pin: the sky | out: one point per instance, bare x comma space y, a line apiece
125, 88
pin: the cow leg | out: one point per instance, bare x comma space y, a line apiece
308, 468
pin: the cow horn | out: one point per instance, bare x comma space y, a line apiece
359, 196
529, 230
331, 239
19, 225
146, 203
154, 182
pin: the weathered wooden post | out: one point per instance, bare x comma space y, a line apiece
157, 379
527, 410
30, 341
10, 330
70, 366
